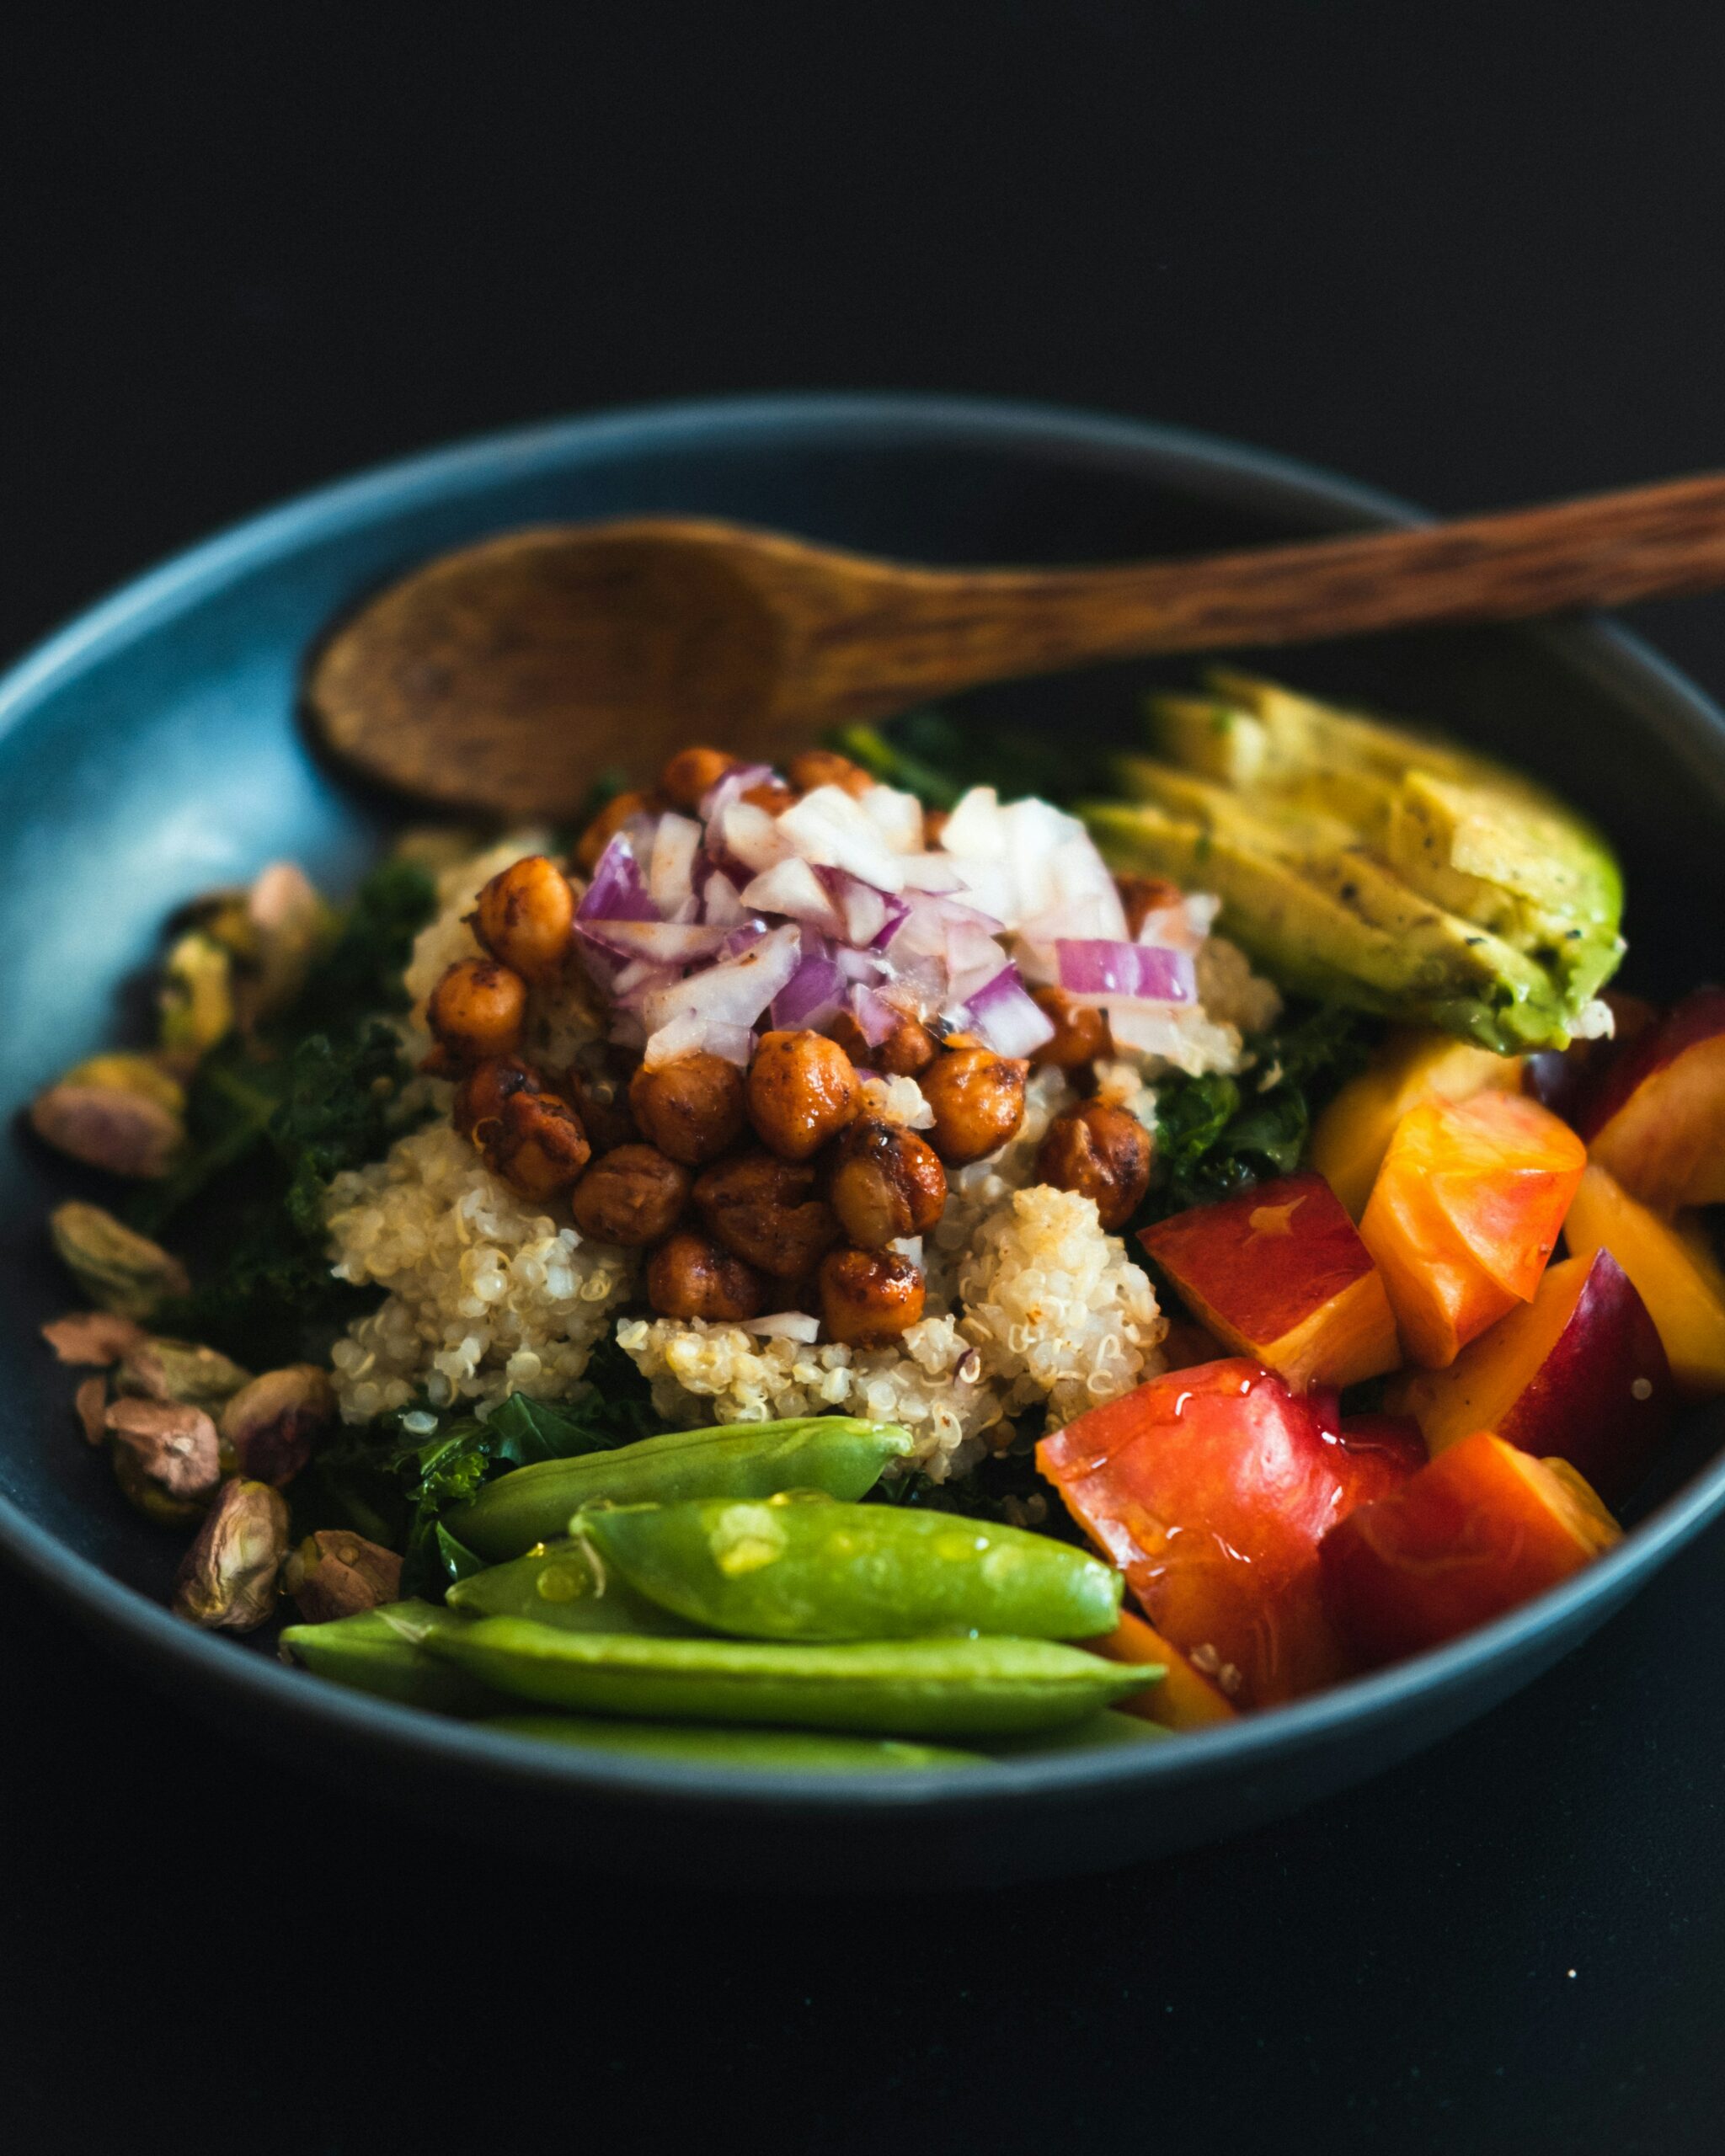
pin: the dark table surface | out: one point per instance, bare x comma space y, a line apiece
1471, 254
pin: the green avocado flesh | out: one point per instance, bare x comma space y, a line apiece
1360, 862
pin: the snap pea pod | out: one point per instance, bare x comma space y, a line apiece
839, 1453
1106, 1730
695, 1744
382, 1652
561, 1584
895, 1688
773, 1571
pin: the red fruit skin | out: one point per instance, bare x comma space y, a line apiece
1564, 1079
1655, 1118
1483, 1528
1211, 1488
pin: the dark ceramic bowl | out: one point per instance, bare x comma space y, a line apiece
153, 749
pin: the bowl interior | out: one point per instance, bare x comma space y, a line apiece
154, 748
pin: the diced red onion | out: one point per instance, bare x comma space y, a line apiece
734, 992
897, 817
813, 995
1099, 968
785, 1324
721, 903
876, 1016
930, 872
617, 891
747, 836
1007, 1018
665, 942
670, 872
693, 1036
792, 887
827, 827
730, 785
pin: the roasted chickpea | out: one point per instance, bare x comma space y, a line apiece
690, 1276
691, 1107
1101, 1152
826, 768
606, 825
885, 1184
481, 1096
634, 1195
978, 1099
906, 1051
868, 1297
1080, 1030
536, 1145
1143, 895
602, 1102
771, 794
525, 916
477, 1010
934, 826
767, 1211
803, 1089
692, 774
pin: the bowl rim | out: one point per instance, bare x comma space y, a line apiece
144, 1630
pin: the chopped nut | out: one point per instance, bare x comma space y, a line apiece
288, 922
126, 1134
119, 1070
91, 1401
336, 1574
116, 1267
166, 1456
92, 1337
227, 1578
160, 1368
270, 1426
196, 998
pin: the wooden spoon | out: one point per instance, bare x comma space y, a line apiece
502, 676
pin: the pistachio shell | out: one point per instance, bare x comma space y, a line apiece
92, 1337
126, 1134
336, 1574
116, 1266
156, 1367
227, 1580
91, 1401
166, 1456
270, 1425
197, 1004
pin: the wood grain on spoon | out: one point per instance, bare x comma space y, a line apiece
503, 676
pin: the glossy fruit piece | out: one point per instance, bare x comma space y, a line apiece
1354, 1133
767, 1751
838, 1453
1674, 1271
562, 1584
1483, 1528
1210, 1488
1564, 1079
1578, 1374
892, 1688
769, 1570
1465, 1214
1281, 1274
1186, 1344
1656, 1121
1184, 1698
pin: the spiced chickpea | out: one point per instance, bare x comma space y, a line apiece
934, 826
803, 1089
1101, 1152
692, 774
771, 794
525, 916
606, 825
692, 1108
691, 1277
826, 768
477, 1010
481, 1097
536, 1145
602, 1102
1143, 895
633, 1195
767, 1211
978, 1100
1080, 1030
906, 1051
885, 1184
868, 1297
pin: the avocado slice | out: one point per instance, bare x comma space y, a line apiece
1363, 862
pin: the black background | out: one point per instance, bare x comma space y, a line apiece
1470, 254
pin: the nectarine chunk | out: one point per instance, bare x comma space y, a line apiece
1674, 1271
1465, 1214
1578, 1374
1185, 1699
1656, 1121
1209, 1488
1483, 1528
1280, 1273
1354, 1133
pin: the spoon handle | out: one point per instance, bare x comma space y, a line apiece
949, 630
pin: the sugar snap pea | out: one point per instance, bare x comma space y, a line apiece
696, 1744
896, 1687
1107, 1729
766, 1570
839, 1453
382, 1652
565, 1584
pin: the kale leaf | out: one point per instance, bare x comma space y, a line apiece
937, 758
